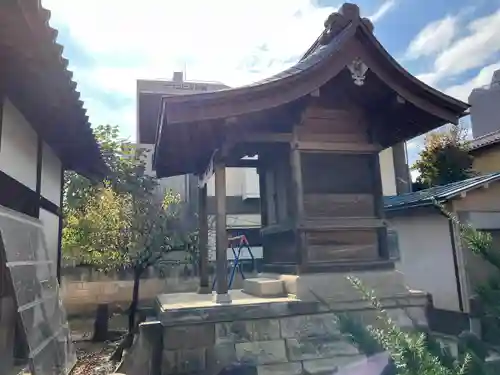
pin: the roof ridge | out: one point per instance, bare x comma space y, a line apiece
337, 21
484, 140
493, 133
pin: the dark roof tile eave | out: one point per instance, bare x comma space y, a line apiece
486, 140
441, 193
56, 51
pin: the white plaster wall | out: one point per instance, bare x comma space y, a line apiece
50, 187
18, 150
427, 257
250, 184
387, 172
51, 230
235, 178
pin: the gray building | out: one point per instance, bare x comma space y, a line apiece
149, 94
485, 107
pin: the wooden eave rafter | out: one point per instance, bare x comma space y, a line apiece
350, 37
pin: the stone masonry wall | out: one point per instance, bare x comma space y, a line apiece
292, 345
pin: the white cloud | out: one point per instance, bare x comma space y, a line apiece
215, 38
476, 48
428, 78
473, 50
235, 42
382, 10
434, 37
463, 90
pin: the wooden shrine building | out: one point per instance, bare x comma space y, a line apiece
317, 128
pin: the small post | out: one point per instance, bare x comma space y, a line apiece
476, 312
298, 198
222, 295
383, 246
203, 239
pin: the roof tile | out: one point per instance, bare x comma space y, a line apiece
439, 193
485, 140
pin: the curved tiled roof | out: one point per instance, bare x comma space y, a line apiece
338, 28
346, 38
47, 58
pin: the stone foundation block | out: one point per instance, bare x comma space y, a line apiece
405, 318
329, 365
293, 368
233, 332
261, 353
264, 287
318, 347
265, 329
183, 361
245, 331
309, 325
144, 357
220, 356
188, 337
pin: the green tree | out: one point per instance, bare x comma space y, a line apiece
126, 171
414, 353
410, 353
99, 230
120, 223
444, 159
418, 352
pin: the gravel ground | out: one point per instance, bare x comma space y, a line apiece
93, 358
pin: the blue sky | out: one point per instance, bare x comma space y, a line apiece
451, 45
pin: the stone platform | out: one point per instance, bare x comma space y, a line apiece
273, 335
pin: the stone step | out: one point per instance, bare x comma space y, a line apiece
264, 287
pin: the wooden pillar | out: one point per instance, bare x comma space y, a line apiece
262, 194
379, 206
221, 295
298, 199
203, 240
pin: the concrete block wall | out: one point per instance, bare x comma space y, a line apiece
300, 344
81, 293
